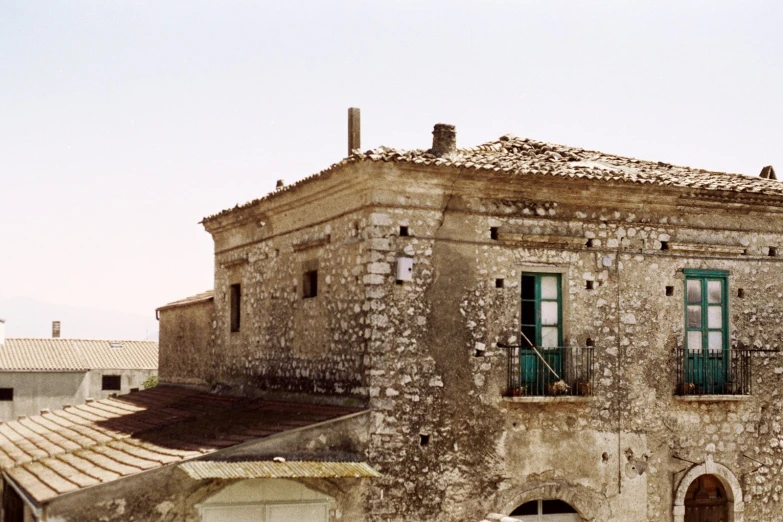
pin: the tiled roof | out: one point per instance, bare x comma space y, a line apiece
58, 354
270, 469
523, 156
203, 296
67, 450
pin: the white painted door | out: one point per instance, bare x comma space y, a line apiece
233, 514
297, 513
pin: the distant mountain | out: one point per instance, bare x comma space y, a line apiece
25, 317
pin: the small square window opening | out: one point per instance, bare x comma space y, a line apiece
404, 231
589, 285
111, 382
424, 439
493, 233
669, 291
499, 283
6, 394
773, 251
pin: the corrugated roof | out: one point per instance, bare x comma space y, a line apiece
58, 354
67, 450
203, 296
523, 156
200, 470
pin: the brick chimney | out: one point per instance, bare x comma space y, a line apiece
55, 329
444, 139
2, 331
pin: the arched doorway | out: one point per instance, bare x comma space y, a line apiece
729, 486
549, 510
706, 500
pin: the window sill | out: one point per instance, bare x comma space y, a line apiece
712, 398
546, 400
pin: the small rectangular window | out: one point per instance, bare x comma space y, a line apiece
6, 394
236, 304
310, 284
111, 382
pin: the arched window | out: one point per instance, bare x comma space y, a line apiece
545, 511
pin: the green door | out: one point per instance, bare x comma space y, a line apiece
706, 325
541, 321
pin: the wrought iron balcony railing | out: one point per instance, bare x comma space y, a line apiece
529, 376
713, 372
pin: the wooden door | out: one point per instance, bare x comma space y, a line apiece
706, 501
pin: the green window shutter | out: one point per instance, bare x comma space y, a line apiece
542, 310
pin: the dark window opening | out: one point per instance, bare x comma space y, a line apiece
310, 284
589, 243
669, 291
589, 285
236, 303
499, 283
493, 233
543, 507
424, 440
111, 382
404, 231
773, 252
741, 293
589, 342
664, 245
6, 394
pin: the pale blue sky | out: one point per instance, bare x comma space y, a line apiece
122, 124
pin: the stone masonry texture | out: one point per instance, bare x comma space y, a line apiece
424, 356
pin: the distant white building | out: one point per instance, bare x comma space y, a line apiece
39, 374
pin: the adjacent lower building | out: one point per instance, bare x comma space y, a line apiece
512, 331
38, 374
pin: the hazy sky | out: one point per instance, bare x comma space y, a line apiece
123, 123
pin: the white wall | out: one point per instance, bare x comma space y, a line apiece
34, 391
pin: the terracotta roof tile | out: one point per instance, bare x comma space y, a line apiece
65, 450
526, 157
77, 355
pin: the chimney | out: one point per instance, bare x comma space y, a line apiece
768, 172
55, 329
444, 139
2, 331
354, 130
280, 184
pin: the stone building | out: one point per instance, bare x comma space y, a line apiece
40, 373
513, 331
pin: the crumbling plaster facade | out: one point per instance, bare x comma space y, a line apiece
423, 354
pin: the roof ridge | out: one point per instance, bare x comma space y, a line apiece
526, 156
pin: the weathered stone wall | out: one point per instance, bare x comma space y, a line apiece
423, 354
485, 453
287, 341
186, 332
